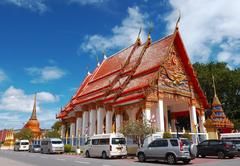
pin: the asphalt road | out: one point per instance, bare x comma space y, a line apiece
11, 158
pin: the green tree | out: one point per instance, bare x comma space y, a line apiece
25, 133
137, 129
227, 86
55, 133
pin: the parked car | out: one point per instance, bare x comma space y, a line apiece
220, 148
34, 148
52, 145
106, 146
171, 150
21, 145
236, 142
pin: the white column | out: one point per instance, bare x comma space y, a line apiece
201, 123
72, 132
161, 115
85, 127
78, 126
63, 131
92, 126
118, 122
193, 118
109, 122
100, 118
72, 129
147, 115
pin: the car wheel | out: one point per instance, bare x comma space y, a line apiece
186, 161
141, 157
171, 159
221, 155
104, 155
87, 154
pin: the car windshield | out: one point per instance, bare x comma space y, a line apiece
118, 141
36, 146
24, 143
56, 142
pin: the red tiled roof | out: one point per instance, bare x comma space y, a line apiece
95, 86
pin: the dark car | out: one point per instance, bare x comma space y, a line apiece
220, 148
236, 142
34, 148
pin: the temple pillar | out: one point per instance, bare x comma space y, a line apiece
79, 123
147, 113
166, 117
193, 116
85, 121
160, 115
92, 126
72, 131
63, 130
109, 115
118, 121
100, 118
201, 120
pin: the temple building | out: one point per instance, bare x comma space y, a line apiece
152, 81
217, 122
33, 123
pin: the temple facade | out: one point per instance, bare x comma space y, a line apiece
33, 123
152, 81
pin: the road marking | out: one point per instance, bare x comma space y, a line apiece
82, 162
60, 159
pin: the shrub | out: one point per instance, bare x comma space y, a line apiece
186, 135
167, 135
67, 148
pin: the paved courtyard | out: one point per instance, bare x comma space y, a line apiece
11, 158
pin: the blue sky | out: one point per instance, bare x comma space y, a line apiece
46, 45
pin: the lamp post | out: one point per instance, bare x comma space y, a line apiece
177, 125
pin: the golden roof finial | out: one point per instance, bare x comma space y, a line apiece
98, 64
138, 41
178, 20
104, 54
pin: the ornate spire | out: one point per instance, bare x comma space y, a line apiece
216, 101
34, 111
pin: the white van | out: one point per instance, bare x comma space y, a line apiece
52, 145
21, 145
106, 145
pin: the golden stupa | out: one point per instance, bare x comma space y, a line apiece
33, 123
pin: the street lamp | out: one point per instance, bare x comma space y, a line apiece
177, 126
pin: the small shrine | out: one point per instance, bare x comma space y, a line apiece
217, 122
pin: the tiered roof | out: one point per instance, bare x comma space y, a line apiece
218, 118
122, 76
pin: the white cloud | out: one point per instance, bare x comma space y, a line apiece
87, 2
33, 5
206, 26
14, 99
45, 74
3, 76
122, 35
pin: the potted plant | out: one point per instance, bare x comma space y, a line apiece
78, 150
